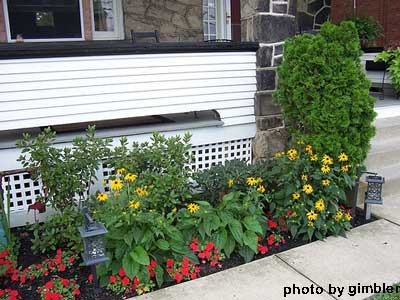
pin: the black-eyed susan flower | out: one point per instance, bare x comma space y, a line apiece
120, 171
348, 216
325, 169
307, 188
102, 197
193, 207
141, 192
314, 157
310, 224
134, 204
345, 168
309, 150
261, 189
339, 216
130, 177
343, 157
292, 154
312, 216
327, 160
304, 177
259, 180
320, 205
251, 181
326, 182
116, 184
231, 182
295, 196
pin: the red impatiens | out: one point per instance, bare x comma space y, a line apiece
9, 294
209, 254
182, 270
121, 283
272, 224
59, 288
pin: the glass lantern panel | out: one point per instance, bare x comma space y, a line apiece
95, 247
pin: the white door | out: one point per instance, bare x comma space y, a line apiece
107, 20
217, 19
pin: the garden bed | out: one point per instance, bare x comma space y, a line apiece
26, 258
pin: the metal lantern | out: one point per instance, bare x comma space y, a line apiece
373, 195
92, 235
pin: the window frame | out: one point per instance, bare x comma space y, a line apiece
222, 20
11, 40
118, 33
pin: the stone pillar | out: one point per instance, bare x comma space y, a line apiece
268, 22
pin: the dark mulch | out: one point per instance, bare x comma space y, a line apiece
26, 258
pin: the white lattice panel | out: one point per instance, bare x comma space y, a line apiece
23, 190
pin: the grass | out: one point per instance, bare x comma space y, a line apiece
388, 296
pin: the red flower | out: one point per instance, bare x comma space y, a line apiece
197, 269
121, 272
48, 285
14, 277
185, 271
4, 253
259, 238
202, 255
262, 249
125, 281
194, 247
76, 292
152, 273
185, 262
207, 254
178, 277
289, 213
22, 279
59, 251
209, 246
212, 263
170, 262
71, 259
58, 260
153, 263
272, 224
196, 241
45, 272
62, 268
90, 278
193, 276
283, 240
271, 239
136, 280
65, 282
169, 270
113, 279
276, 244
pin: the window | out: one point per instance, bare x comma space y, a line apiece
44, 19
107, 19
209, 20
217, 19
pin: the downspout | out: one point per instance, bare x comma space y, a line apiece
354, 8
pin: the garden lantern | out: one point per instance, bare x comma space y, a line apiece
92, 235
373, 195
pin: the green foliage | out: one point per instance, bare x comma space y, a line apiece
59, 231
392, 58
325, 94
395, 295
5, 218
368, 28
66, 173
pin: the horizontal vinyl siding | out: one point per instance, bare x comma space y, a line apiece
53, 91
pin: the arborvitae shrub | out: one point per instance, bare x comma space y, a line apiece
324, 92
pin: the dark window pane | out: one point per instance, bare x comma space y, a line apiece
44, 19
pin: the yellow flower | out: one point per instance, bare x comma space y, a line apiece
292, 153
120, 171
193, 207
307, 188
130, 177
231, 182
326, 182
309, 149
141, 192
314, 157
134, 204
348, 217
295, 196
310, 224
102, 197
345, 168
325, 169
261, 189
343, 157
320, 205
104, 181
312, 216
174, 210
338, 216
304, 177
327, 160
251, 181
116, 184
259, 180
279, 154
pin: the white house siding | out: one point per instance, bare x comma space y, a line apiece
54, 91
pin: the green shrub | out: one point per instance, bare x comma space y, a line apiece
368, 28
325, 94
392, 58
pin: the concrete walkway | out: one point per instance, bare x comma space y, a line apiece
339, 267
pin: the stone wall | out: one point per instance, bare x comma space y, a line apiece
268, 22
311, 14
176, 20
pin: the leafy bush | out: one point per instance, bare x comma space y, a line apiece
325, 94
368, 28
66, 173
392, 58
59, 231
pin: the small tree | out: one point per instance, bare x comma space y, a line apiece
325, 94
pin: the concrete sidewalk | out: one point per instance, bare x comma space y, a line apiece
370, 254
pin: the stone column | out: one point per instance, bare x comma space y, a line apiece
268, 22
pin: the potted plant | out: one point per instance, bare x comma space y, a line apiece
368, 29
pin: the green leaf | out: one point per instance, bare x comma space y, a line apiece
159, 275
130, 266
225, 217
319, 235
252, 224
140, 255
137, 235
215, 222
220, 238
229, 246
203, 203
236, 230
128, 238
247, 253
207, 226
293, 230
250, 239
162, 244
310, 233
